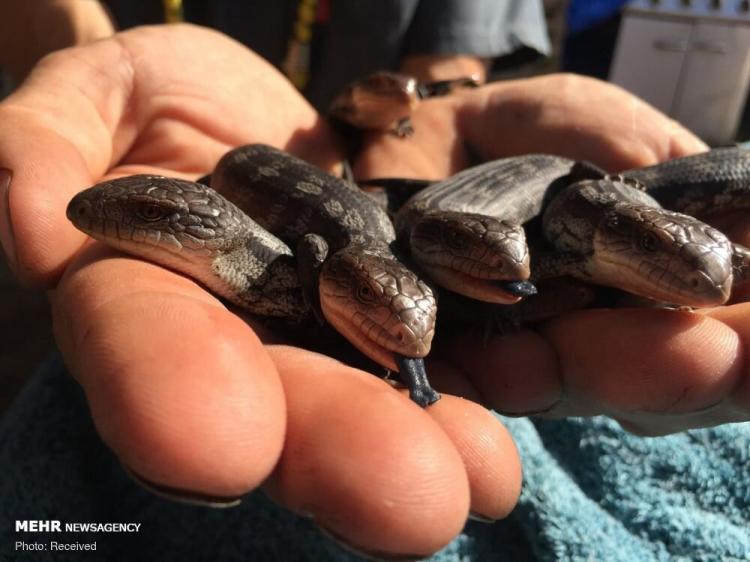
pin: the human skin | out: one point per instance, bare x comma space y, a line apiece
179, 387
654, 371
32, 28
187, 395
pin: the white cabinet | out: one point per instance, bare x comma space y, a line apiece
691, 59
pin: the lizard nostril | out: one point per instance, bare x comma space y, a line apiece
695, 281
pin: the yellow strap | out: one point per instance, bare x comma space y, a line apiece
296, 64
173, 12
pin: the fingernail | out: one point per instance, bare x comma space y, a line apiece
335, 537
6, 228
474, 516
180, 495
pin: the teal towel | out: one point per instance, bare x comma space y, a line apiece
592, 492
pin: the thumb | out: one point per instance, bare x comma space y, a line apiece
50, 150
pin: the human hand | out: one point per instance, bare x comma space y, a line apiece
574, 116
181, 389
655, 371
30, 30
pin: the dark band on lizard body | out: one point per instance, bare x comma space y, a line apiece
466, 231
580, 226
701, 184
343, 246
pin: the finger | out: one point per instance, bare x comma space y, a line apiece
629, 364
737, 317
179, 388
682, 142
43, 172
130, 100
585, 119
490, 457
370, 466
652, 368
516, 374
53, 150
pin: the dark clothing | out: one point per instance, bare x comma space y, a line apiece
356, 37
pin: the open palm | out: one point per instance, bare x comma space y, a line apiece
180, 388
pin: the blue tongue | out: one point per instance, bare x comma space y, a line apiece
414, 376
518, 288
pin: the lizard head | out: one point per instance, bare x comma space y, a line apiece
189, 228
663, 255
475, 255
380, 305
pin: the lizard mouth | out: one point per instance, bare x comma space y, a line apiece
410, 366
671, 288
498, 291
360, 336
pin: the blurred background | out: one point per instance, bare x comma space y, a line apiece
689, 58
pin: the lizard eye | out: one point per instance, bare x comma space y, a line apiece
365, 293
150, 212
649, 242
455, 239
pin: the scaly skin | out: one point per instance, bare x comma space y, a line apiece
702, 184
466, 231
365, 292
190, 228
611, 233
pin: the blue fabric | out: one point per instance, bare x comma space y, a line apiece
585, 13
591, 492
